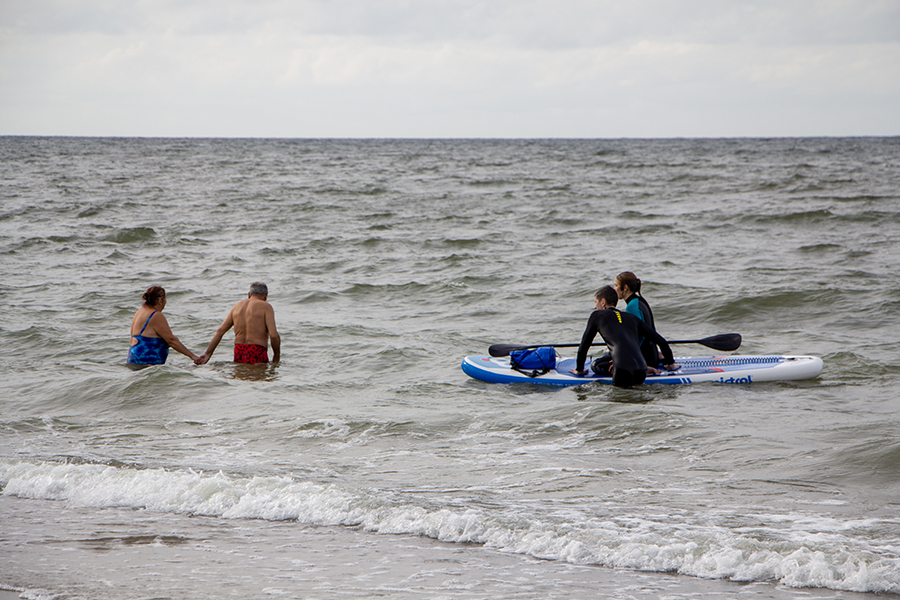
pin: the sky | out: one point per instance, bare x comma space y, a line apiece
450, 68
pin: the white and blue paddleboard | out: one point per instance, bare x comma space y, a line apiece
694, 369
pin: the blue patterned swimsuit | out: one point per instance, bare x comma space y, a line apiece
148, 350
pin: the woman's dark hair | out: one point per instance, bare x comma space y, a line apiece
153, 295
630, 279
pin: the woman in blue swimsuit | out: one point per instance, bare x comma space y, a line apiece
151, 336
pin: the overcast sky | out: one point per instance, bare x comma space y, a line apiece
450, 68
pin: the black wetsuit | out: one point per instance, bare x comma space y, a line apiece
637, 306
621, 332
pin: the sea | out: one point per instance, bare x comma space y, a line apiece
366, 464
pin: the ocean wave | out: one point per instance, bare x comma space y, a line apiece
791, 549
793, 218
130, 235
37, 338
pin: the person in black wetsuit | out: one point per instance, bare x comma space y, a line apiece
628, 288
621, 332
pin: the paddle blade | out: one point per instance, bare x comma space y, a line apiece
504, 349
724, 341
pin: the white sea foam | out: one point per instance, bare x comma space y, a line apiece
636, 543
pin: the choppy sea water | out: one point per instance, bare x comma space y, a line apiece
366, 464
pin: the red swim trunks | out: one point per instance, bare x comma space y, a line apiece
250, 353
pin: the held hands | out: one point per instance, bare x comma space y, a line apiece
201, 360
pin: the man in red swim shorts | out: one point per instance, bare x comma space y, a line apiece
250, 353
253, 320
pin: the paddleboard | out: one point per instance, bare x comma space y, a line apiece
733, 368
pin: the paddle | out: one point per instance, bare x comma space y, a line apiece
724, 341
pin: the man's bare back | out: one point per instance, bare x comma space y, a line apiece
250, 318
253, 320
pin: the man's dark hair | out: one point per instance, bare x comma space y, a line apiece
608, 294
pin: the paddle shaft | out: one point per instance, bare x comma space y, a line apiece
725, 341
604, 343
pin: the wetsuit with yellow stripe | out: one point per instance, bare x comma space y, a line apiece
621, 332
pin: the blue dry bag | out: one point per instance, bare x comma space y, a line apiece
534, 361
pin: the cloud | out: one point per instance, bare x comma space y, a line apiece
449, 68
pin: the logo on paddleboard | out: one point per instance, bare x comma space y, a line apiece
746, 379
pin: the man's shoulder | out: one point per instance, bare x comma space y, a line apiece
259, 305
605, 314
